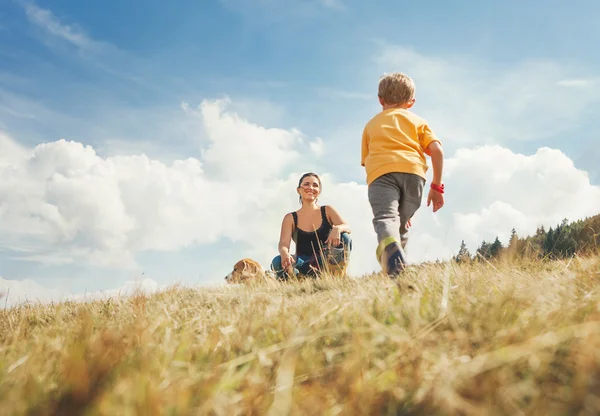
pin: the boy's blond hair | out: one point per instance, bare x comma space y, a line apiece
396, 88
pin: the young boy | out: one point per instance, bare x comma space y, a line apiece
394, 145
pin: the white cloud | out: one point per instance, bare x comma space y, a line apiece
10, 151
260, 111
62, 202
14, 292
241, 150
317, 147
577, 82
66, 203
490, 190
104, 55
113, 129
48, 21
473, 102
17, 292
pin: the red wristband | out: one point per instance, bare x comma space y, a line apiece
438, 188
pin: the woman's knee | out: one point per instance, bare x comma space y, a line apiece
276, 264
346, 241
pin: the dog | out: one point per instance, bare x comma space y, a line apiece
247, 271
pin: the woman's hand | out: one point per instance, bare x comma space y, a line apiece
335, 236
286, 260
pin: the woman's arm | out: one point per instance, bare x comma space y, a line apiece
336, 220
285, 237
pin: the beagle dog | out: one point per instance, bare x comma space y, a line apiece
246, 271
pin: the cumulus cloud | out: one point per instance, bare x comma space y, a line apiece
242, 150
317, 147
61, 202
492, 189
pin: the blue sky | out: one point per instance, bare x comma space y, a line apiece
148, 58
126, 78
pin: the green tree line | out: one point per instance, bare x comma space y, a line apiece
562, 241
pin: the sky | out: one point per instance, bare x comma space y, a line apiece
156, 142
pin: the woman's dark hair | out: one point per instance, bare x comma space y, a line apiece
306, 175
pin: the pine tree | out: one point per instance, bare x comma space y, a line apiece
463, 253
549, 242
565, 243
560, 241
513, 238
484, 250
496, 248
513, 245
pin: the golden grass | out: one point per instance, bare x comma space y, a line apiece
502, 339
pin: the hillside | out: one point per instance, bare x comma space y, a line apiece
467, 339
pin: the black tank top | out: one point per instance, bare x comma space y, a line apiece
309, 243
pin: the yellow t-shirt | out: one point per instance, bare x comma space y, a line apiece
394, 141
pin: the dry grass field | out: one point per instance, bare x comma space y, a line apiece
480, 339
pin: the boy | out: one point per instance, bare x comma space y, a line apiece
394, 145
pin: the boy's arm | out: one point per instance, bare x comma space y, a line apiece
436, 152
437, 161
426, 137
365, 147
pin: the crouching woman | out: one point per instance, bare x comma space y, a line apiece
321, 236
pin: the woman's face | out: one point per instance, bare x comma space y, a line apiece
309, 189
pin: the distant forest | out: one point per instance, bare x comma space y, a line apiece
559, 242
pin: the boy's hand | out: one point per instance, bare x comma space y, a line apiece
437, 199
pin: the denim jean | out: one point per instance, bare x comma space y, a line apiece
302, 265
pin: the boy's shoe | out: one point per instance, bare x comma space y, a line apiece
392, 259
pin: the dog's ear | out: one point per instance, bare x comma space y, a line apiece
245, 265
239, 266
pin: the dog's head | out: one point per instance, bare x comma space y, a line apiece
244, 270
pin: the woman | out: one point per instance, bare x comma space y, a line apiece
319, 233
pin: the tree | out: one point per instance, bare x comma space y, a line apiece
561, 241
496, 248
549, 242
513, 244
565, 244
513, 238
484, 250
463, 253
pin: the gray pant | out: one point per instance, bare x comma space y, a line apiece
394, 199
